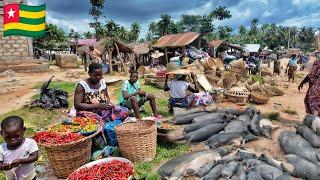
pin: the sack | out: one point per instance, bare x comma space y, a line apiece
109, 131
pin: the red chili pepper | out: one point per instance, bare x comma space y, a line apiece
113, 170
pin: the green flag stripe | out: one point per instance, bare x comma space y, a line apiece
23, 33
32, 21
32, 8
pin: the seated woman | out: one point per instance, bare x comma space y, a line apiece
91, 95
178, 91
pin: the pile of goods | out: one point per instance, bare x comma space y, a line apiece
302, 149
223, 163
224, 126
67, 131
161, 78
114, 169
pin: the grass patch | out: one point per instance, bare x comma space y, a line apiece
66, 86
257, 78
272, 115
299, 75
165, 151
290, 111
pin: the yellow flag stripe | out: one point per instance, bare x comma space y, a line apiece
27, 27
33, 15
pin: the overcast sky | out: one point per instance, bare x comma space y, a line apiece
73, 14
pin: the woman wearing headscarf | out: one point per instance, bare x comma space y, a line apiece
311, 100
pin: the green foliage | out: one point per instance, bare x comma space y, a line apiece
272, 115
96, 11
224, 32
220, 13
257, 78
165, 151
88, 35
290, 111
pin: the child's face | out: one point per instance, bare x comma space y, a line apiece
13, 135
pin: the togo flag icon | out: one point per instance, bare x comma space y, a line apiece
24, 20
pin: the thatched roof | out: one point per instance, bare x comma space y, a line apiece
100, 45
140, 48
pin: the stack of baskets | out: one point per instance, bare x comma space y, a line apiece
209, 64
138, 140
238, 67
258, 97
255, 87
65, 158
238, 95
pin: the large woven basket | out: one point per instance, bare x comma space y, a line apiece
239, 64
138, 140
238, 95
255, 87
219, 63
259, 97
65, 158
209, 64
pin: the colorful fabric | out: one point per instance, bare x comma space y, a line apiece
313, 94
24, 20
203, 99
94, 96
129, 88
293, 61
292, 71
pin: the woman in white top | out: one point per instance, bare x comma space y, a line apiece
178, 91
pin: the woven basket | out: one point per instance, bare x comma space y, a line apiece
160, 78
259, 97
138, 140
142, 70
274, 91
237, 95
209, 64
255, 87
65, 158
238, 64
219, 63
238, 71
224, 83
210, 72
160, 85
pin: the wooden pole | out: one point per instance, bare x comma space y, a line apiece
110, 61
121, 60
166, 56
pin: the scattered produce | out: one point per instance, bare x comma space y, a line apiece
161, 73
111, 170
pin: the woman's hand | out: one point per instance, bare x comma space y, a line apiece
105, 106
300, 86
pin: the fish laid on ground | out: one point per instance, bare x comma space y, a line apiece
236, 126
204, 133
292, 143
205, 169
312, 122
209, 117
214, 173
249, 163
255, 123
270, 161
284, 177
202, 159
222, 139
187, 112
268, 172
166, 169
267, 122
240, 174
195, 126
230, 169
254, 175
309, 135
302, 168
235, 112
250, 111
245, 119
187, 119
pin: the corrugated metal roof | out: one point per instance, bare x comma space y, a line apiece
176, 40
86, 41
251, 47
216, 43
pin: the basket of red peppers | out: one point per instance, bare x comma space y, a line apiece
66, 146
107, 168
161, 75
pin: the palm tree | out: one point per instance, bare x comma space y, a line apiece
164, 23
135, 31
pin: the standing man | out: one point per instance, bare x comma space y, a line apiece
95, 55
132, 96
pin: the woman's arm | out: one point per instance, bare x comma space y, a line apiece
305, 80
79, 98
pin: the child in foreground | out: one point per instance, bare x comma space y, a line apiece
17, 154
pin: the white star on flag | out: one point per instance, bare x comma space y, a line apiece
11, 13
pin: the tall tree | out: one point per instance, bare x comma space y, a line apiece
224, 32
254, 30
191, 22
96, 12
88, 35
220, 13
164, 23
135, 31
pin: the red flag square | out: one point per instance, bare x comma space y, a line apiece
11, 13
